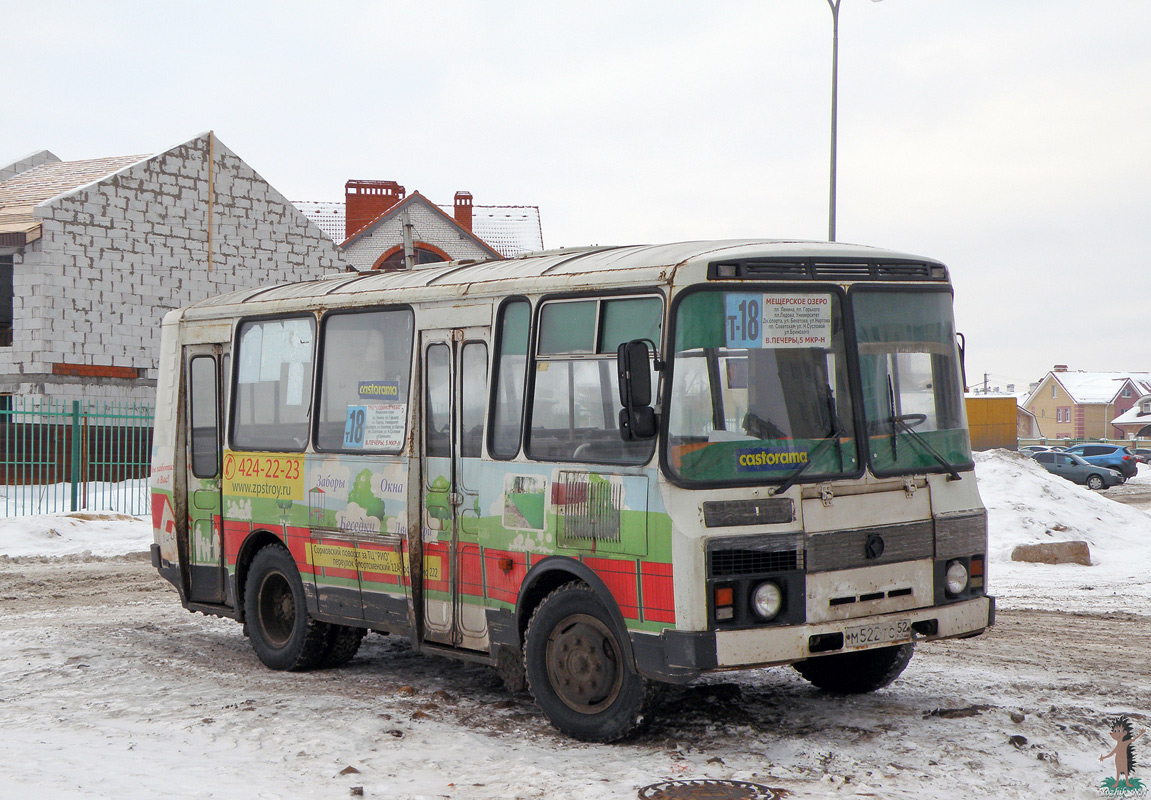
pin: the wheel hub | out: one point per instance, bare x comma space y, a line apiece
277, 610
583, 664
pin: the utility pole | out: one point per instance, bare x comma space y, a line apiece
409, 249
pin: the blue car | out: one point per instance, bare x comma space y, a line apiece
1112, 456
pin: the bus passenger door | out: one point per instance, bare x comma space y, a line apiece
454, 394
204, 398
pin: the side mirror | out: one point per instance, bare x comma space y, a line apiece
637, 418
634, 365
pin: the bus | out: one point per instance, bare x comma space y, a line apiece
600, 471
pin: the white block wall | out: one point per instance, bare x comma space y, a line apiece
117, 254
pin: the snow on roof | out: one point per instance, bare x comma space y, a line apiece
509, 230
1100, 387
327, 214
1135, 415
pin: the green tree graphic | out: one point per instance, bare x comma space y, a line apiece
362, 495
437, 499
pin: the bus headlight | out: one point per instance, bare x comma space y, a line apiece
766, 600
956, 578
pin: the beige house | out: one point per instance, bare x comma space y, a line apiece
1082, 405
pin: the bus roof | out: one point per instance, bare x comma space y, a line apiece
559, 270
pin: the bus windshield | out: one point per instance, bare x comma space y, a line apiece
759, 388
911, 381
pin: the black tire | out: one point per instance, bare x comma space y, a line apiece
859, 672
1094, 481
282, 634
343, 644
578, 672
510, 668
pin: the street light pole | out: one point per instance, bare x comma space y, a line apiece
834, 4
834, 112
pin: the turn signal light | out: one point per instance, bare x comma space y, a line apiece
724, 602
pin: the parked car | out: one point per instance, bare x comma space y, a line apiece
1144, 456
1077, 470
1032, 449
1113, 456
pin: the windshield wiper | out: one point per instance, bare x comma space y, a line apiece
891, 411
833, 436
901, 420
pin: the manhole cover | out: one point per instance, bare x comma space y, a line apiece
707, 790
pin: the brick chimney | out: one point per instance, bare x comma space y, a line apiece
464, 210
1060, 368
366, 200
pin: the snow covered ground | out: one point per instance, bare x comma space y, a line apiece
109, 689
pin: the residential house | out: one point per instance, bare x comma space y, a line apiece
1135, 422
94, 252
372, 220
1081, 405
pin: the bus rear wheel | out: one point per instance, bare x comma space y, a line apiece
276, 611
343, 644
859, 672
577, 670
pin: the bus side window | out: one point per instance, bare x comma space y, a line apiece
438, 401
364, 381
474, 379
203, 417
575, 393
510, 373
273, 383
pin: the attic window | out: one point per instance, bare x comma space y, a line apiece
396, 260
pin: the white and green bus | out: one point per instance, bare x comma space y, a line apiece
597, 470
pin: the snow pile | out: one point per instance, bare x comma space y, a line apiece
97, 533
1028, 505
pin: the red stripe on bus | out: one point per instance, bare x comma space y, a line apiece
505, 571
658, 591
471, 570
619, 576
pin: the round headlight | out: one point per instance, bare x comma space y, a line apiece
956, 577
766, 600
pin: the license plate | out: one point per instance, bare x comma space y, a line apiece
893, 631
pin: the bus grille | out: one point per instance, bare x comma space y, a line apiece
728, 563
729, 558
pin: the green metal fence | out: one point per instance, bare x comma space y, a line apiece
73, 456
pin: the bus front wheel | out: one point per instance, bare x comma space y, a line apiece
282, 634
858, 672
578, 671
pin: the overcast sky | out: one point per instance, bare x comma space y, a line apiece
1008, 138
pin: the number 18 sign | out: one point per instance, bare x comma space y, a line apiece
777, 320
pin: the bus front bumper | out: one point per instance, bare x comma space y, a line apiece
679, 656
